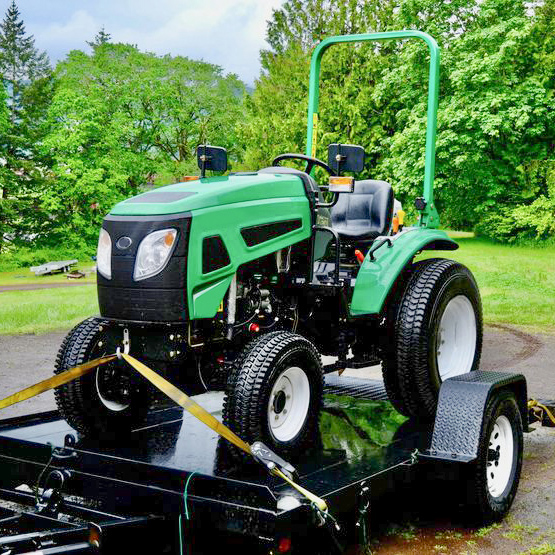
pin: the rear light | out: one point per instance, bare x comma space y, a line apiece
284, 545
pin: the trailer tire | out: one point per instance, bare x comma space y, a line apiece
440, 303
492, 480
274, 392
81, 402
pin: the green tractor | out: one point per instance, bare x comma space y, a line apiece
241, 282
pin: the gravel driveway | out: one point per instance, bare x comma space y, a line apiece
530, 528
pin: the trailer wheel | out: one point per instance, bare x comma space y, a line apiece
492, 481
274, 392
105, 402
437, 334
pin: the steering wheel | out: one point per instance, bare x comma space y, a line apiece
310, 162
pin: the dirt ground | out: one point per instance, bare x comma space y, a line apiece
530, 528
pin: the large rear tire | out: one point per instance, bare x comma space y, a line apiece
436, 334
109, 400
274, 392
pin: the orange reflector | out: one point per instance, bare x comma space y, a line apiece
360, 256
169, 238
341, 184
94, 536
338, 180
395, 224
189, 178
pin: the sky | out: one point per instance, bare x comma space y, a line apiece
229, 33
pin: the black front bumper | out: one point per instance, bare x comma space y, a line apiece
160, 298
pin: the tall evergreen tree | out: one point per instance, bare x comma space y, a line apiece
102, 37
26, 76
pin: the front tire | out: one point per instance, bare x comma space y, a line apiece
436, 334
106, 402
274, 392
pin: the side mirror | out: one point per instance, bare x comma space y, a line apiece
212, 158
345, 158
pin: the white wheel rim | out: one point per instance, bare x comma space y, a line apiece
500, 456
289, 403
456, 340
108, 403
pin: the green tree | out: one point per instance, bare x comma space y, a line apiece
102, 37
495, 120
26, 76
120, 119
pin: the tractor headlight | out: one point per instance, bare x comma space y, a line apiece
104, 254
153, 253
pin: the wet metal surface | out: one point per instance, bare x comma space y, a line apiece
357, 439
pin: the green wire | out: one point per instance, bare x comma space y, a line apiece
185, 494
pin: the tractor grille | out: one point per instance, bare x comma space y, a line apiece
160, 298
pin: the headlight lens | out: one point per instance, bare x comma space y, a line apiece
153, 253
104, 254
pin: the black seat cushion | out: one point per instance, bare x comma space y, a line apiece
363, 215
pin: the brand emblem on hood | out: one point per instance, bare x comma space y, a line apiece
124, 243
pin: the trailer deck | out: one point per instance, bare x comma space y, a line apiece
140, 482
174, 484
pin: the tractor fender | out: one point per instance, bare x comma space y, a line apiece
376, 277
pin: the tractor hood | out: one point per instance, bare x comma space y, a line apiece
222, 223
209, 192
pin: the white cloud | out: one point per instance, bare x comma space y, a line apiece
229, 33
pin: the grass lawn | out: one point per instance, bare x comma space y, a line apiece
43, 310
24, 276
517, 286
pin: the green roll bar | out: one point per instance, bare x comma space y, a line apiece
429, 216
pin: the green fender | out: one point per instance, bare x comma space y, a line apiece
376, 277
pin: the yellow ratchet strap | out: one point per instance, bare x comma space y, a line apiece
204, 416
55, 381
320, 503
187, 403
538, 408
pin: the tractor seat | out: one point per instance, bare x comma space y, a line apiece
365, 214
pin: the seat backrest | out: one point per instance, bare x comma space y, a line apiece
366, 212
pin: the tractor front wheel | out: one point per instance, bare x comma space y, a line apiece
274, 392
435, 334
108, 401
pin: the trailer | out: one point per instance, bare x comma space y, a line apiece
58, 266
174, 486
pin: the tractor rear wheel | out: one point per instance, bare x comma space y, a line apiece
107, 401
274, 392
436, 335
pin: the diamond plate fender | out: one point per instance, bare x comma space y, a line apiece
460, 413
